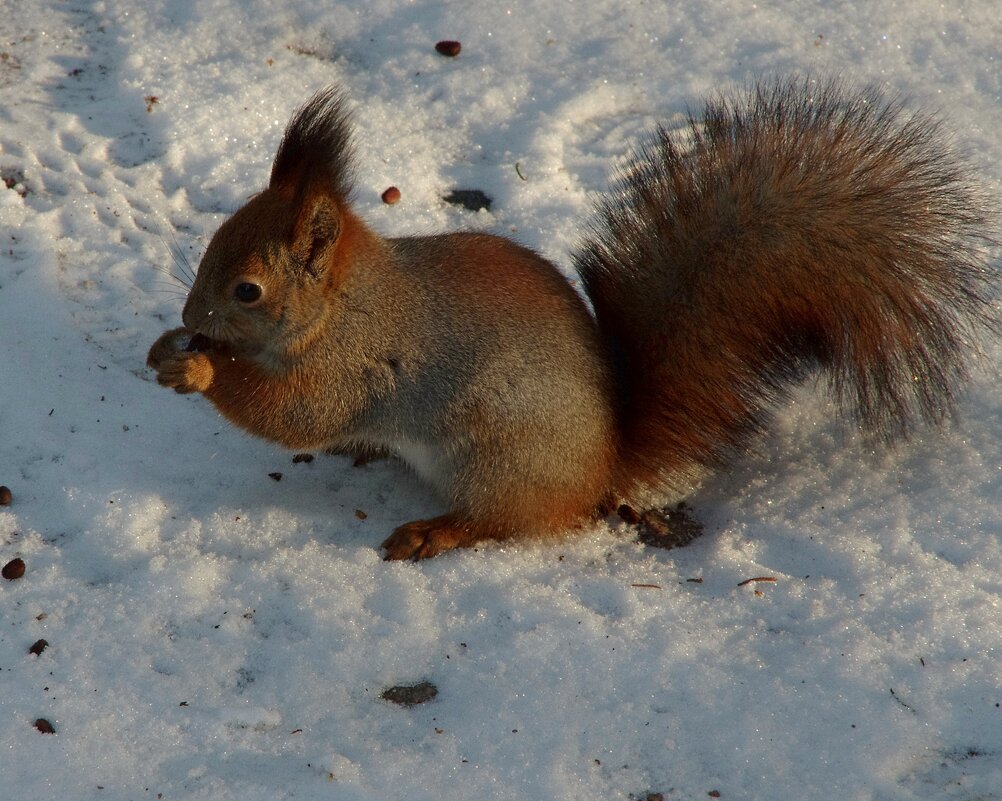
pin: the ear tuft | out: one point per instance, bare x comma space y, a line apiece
316, 150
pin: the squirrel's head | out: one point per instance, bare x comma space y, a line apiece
270, 271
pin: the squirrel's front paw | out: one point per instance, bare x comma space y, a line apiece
177, 365
423, 539
185, 372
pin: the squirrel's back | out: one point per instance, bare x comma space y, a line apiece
796, 226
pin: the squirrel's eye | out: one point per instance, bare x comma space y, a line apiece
247, 293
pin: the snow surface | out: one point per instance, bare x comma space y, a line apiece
216, 634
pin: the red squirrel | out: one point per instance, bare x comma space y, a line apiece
799, 225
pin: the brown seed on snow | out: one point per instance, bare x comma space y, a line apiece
390, 196
14, 569
628, 514
449, 48
38, 647
44, 726
5, 496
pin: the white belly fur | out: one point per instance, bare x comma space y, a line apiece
423, 459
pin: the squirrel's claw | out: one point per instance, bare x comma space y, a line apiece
423, 539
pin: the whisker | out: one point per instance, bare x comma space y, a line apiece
187, 274
175, 278
182, 263
180, 259
164, 288
167, 286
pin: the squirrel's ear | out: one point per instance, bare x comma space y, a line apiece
316, 232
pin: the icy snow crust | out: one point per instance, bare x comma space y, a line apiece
215, 634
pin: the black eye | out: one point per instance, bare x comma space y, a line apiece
247, 293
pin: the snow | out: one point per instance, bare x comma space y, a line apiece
216, 634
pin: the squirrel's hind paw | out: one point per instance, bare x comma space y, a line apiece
423, 539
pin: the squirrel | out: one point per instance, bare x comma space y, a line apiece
795, 226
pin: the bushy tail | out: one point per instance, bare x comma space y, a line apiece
797, 225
